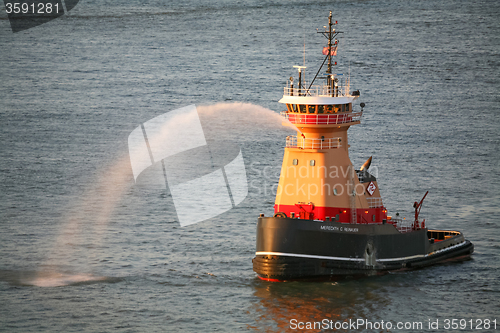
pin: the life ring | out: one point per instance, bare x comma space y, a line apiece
280, 214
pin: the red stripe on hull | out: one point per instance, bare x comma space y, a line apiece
322, 278
270, 280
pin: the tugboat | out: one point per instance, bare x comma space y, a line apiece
329, 219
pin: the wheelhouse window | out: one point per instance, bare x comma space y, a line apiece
318, 109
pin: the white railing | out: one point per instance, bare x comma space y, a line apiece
318, 90
374, 202
323, 119
304, 143
402, 225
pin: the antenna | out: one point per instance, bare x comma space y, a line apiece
304, 49
349, 78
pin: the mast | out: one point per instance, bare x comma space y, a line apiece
330, 24
329, 51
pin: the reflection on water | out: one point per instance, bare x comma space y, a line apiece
52, 278
55, 279
279, 303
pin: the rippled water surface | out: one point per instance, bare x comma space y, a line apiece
84, 248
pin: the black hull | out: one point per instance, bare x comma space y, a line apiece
292, 249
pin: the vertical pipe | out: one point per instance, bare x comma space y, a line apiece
332, 84
300, 81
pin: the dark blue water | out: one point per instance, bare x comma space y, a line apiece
84, 248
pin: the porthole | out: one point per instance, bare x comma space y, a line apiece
295, 161
312, 162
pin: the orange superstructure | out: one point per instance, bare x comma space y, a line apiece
318, 180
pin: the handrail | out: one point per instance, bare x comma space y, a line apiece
402, 225
317, 91
374, 202
323, 119
305, 143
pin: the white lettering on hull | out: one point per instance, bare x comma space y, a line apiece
335, 228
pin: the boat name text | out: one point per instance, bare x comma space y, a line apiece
335, 228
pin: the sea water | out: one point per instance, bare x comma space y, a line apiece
85, 248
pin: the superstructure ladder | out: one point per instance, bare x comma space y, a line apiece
352, 194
